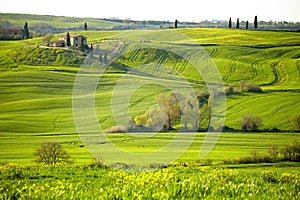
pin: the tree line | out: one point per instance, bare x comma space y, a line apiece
255, 23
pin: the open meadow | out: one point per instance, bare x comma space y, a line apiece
36, 100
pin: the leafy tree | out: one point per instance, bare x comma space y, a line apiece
51, 153
171, 106
190, 112
26, 31
250, 123
176, 23
291, 152
230, 23
85, 26
47, 39
237, 23
68, 40
247, 24
295, 122
255, 22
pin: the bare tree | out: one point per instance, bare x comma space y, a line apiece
51, 153
250, 123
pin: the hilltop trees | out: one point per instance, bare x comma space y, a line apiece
176, 23
26, 31
255, 22
230, 23
237, 23
247, 24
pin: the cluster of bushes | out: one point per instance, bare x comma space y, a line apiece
44, 56
243, 87
291, 152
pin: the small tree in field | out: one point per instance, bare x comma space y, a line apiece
250, 123
85, 26
247, 24
237, 23
51, 153
295, 122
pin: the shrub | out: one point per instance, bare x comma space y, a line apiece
51, 153
295, 122
249, 87
291, 152
253, 88
97, 163
115, 129
250, 123
274, 152
229, 90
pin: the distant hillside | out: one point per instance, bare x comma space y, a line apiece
43, 24
57, 24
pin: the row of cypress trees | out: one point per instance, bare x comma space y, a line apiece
247, 23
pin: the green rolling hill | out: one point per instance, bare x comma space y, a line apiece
36, 99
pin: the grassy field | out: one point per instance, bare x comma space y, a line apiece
36, 106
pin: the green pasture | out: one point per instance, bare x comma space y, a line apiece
19, 148
36, 100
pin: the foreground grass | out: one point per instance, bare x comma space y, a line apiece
175, 182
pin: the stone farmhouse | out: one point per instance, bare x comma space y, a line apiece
76, 41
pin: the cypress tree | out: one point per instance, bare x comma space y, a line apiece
230, 23
237, 23
255, 22
68, 40
26, 31
176, 23
85, 26
247, 24
91, 52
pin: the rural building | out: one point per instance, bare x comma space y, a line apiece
11, 33
58, 43
76, 40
